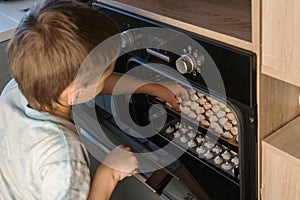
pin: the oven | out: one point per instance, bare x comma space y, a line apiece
208, 150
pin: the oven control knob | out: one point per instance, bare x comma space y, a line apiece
130, 38
127, 39
185, 64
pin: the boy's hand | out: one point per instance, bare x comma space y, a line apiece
167, 91
121, 162
117, 165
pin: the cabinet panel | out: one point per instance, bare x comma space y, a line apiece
278, 104
280, 176
281, 163
228, 21
281, 40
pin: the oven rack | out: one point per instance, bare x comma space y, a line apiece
232, 174
177, 114
161, 139
157, 75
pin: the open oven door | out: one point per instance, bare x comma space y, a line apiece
171, 182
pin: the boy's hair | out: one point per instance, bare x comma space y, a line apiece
50, 44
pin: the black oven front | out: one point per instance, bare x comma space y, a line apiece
209, 149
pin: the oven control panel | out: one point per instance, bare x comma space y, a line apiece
187, 60
190, 62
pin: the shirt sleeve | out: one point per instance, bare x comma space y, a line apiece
9, 86
65, 180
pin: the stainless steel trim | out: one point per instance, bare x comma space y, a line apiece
158, 55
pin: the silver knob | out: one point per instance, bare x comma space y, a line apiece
130, 38
185, 64
127, 39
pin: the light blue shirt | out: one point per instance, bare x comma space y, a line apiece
41, 155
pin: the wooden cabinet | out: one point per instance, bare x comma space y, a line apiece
281, 40
278, 102
281, 163
228, 21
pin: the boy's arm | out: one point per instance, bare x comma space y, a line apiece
116, 166
103, 184
165, 91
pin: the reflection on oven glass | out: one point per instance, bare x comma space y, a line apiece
202, 146
211, 113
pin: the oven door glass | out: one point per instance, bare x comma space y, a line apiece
192, 177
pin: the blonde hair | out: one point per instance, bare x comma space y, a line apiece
50, 44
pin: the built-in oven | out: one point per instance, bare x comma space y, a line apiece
208, 150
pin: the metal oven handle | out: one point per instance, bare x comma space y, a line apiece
106, 150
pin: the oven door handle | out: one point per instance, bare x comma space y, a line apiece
106, 150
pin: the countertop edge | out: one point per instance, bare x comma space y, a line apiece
7, 34
11, 13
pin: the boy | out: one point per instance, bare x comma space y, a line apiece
41, 154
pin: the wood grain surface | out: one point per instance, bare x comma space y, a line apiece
281, 177
230, 17
287, 139
281, 40
278, 104
228, 21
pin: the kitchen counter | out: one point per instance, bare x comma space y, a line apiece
10, 15
228, 21
11, 12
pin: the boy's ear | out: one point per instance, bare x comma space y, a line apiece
73, 95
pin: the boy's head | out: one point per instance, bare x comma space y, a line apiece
49, 46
